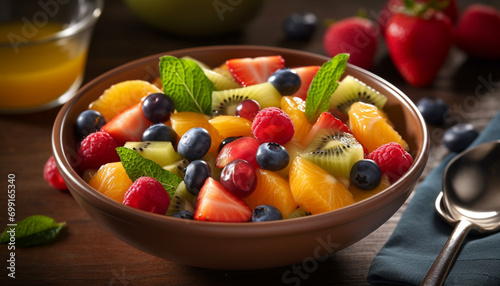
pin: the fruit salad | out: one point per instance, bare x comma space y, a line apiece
250, 140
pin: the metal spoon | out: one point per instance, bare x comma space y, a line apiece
470, 199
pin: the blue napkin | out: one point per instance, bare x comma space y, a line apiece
421, 234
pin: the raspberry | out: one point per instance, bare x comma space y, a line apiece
97, 149
272, 125
392, 159
147, 194
52, 176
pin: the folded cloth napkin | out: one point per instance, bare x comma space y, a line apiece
421, 233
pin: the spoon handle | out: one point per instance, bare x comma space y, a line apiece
439, 269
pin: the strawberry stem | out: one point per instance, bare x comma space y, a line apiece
409, 4
362, 14
419, 9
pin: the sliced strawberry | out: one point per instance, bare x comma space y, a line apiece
326, 121
243, 148
249, 71
127, 125
215, 203
306, 75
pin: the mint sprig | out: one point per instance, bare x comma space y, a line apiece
324, 83
31, 231
186, 83
137, 166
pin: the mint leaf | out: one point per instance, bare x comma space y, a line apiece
324, 83
187, 84
33, 230
137, 166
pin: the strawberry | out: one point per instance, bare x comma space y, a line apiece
243, 148
249, 71
449, 7
214, 203
477, 32
356, 36
325, 121
451, 10
127, 125
306, 75
419, 42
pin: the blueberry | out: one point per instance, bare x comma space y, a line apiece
197, 172
286, 81
184, 214
458, 137
227, 141
157, 107
272, 156
366, 174
434, 110
160, 132
194, 144
300, 26
89, 121
266, 213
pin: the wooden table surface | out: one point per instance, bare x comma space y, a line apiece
86, 254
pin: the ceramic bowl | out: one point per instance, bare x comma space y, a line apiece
239, 245
209, 18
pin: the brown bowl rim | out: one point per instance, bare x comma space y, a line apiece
228, 229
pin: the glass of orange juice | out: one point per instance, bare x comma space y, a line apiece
43, 51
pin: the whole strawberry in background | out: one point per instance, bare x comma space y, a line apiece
478, 32
418, 40
356, 36
449, 7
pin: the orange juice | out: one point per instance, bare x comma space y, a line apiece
38, 72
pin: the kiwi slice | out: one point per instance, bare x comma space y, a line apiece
200, 63
351, 90
220, 82
334, 151
181, 200
210, 158
223, 70
177, 167
224, 102
162, 152
298, 212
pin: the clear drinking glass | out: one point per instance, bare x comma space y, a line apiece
43, 51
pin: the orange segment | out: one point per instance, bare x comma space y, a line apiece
121, 96
232, 126
112, 181
273, 190
157, 82
315, 190
294, 149
360, 195
295, 107
372, 127
181, 122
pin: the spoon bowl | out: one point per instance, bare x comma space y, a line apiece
472, 186
470, 199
